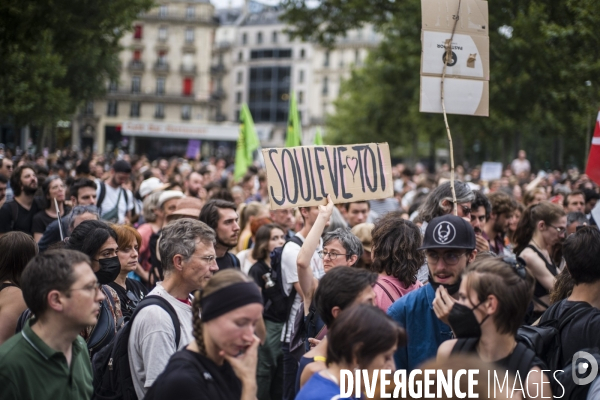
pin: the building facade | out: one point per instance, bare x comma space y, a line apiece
163, 97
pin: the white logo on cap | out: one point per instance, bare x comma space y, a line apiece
444, 233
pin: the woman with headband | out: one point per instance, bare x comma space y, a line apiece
220, 364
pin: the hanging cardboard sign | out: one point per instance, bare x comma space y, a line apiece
303, 176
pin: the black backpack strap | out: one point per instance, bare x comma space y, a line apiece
101, 195
163, 303
234, 260
464, 345
386, 291
297, 240
521, 360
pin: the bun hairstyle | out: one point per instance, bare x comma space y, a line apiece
219, 281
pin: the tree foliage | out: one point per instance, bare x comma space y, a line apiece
545, 60
55, 54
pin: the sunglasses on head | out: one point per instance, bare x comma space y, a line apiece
517, 264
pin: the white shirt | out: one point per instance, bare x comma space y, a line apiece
110, 199
289, 270
152, 340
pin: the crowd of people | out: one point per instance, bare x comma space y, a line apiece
205, 293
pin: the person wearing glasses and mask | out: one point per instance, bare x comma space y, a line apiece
130, 291
188, 259
541, 228
99, 242
492, 301
449, 246
48, 359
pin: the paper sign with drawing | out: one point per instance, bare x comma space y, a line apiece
303, 176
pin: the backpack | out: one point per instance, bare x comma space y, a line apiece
276, 267
112, 215
305, 326
110, 366
521, 359
544, 339
571, 389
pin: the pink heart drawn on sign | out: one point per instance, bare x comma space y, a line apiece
352, 163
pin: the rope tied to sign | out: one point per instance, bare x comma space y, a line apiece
447, 59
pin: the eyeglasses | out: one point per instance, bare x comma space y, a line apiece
332, 256
466, 209
559, 229
208, 259
450, 258
517, 264
92, 288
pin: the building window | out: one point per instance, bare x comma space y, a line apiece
162, 33
301, 76
238, 98
89, 108
112, 108
244, 38
259, 38
240, 78
137, 55
159, 110
113, 86
138, 31
189, 35
135, 109
188, 85
274, 37
186, 112
302, 53
163, 11
240, 56
356, 57
300, 97
190, 11
326, 61
325, 86
268, 93
160, 85
270, 53
136, 84
162, 58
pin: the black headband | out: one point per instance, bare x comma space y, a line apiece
229, 298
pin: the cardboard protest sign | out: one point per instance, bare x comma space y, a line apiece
491, 171
303, 176
463, 96
466, 86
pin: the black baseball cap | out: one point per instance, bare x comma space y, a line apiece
449, 232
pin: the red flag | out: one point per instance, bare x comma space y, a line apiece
593, 165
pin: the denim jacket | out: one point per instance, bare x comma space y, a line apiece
425, 331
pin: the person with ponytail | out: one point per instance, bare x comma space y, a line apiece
220, 363
542, 227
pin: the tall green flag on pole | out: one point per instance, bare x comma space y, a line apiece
318, 138
294, 130
247, 143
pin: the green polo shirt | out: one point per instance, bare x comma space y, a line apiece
30, 369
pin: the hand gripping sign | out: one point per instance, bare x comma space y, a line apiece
303, 176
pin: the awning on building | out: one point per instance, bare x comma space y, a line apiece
167, 130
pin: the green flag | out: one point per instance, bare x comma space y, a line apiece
247, 143
318, 138
294, 130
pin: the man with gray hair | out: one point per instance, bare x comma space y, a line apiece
188, 260
574, 220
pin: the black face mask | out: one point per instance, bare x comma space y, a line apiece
109, 270
463, 322
452, 289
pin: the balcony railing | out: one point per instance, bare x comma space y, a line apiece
161, 66
136, 65
188, 69
218, 69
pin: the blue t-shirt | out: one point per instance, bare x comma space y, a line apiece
320, 388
